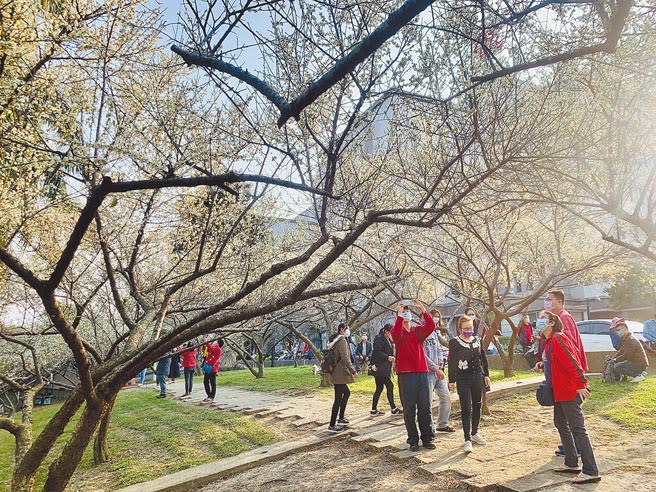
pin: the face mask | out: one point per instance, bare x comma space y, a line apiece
548, 304
620, 334
473, 317
541, 324
407, 315
347, 333
468, 333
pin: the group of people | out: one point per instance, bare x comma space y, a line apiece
417, 352
188, 355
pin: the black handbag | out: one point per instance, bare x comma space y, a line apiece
544, 395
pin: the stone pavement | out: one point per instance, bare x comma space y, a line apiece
516, 460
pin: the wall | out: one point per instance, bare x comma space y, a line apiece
595, 362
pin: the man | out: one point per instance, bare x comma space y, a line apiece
555, 303
363, 353
436, 378
412, 372
630, 359
161, 372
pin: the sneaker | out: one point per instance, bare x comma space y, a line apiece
342, 421
161, 396
447, 428
335, 429
376, 413
430, 445
478, 439
210, 400
397, 411
468, 447
205, 400
583, 478
568, 469
414, 447
638, 378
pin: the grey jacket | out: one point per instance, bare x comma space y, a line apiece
433, 352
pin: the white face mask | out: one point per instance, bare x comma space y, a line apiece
407, 315
347, 333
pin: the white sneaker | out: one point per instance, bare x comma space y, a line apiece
468, 447
638, 378
478, 439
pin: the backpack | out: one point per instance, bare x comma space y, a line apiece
329, 361
607, 373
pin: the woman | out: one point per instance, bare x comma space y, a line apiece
468, 372
563, 372
382, 359
525, 334
480, 327
343, 374
188, 354
211, 367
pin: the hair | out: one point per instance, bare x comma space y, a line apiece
469, 308
463, 319
341, 326
220, 342
437, 312
386, 327
558, 325
558, 294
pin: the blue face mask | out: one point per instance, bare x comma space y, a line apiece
541, 324
407, 315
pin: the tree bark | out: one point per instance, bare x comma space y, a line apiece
100, 446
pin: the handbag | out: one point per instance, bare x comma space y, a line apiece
372, 370
544, 395
207, 368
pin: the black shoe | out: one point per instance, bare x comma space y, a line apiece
376, 413
414, 448
161, 396
397, 411
430, 445
448, 428
335, 429
342, 421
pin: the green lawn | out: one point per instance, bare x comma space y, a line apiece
628, 404
150, 438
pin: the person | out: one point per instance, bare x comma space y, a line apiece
525, 334
649, 334
174, 370
564, 373
142, 377
630, 359
480, 327
382, 359
343, 374
211, 367
412, 372
436, 377
161, 373
188, 355
363, 353
555, 303
469, 374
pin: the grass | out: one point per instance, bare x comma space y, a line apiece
149, 438
628, 404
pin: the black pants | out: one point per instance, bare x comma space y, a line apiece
387, 383
470, 392
342, 393
189, 379
568, 419
210, 385
413, 389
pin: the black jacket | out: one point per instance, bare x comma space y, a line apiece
382, 349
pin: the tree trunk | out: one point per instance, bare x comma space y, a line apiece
485, 409
325, 380
61, 470
100, 446
260, 369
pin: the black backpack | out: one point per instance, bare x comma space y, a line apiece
329, 361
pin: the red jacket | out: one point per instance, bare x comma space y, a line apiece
528, 330
409, 349
571, 330
566, 373
213, 356
188, 358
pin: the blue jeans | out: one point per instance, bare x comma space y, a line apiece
142, 376
442, 388
161, 380
413, 390
568, 419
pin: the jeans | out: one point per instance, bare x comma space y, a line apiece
189, 379
389, 385
210, 385
413, 390
342, 393
626, 368
568, 419
442, 388
142, 376
470, 392
161, 380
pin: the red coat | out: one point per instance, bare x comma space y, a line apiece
571, 330
409, 344
567, 375
188, 358
528, 329
213, 357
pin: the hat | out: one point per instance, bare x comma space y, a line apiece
617, 321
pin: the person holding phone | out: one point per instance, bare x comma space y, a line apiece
469, 374
412, 372
563, 370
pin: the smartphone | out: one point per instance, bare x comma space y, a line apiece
407, 302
